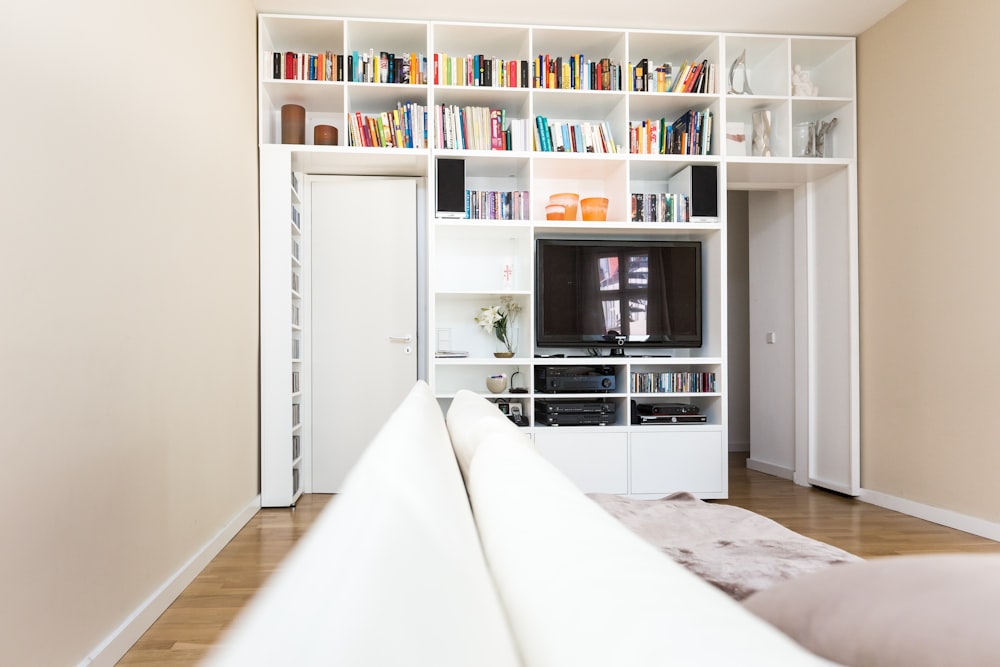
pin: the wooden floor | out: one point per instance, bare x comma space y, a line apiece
184, 633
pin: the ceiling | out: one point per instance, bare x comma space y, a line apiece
803, 17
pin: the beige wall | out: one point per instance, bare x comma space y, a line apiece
128, 268
929, 243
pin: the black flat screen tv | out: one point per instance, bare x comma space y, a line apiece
600, 293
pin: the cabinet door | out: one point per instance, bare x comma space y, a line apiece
678, 460
595, 462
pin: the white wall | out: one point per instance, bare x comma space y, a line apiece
771, 296
128, 363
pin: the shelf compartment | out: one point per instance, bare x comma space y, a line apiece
767, 68
671, 107
673, 48
456, 313
740, 109
472, 374
587, 175
708, 405
805, 109
509, 43
829, 62
322, 100
466, 251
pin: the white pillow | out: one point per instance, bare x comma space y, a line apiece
918, 611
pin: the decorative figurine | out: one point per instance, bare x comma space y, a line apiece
739, 68
802, 85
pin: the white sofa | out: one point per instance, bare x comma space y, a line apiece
455, 543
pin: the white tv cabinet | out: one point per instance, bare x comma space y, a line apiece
465, 258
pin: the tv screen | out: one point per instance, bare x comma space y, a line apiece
609, 293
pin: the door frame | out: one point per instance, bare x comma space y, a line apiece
813, 315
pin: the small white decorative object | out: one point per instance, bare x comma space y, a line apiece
736, 138
762, 133
507, 274
804, 139
802, 85
496, 383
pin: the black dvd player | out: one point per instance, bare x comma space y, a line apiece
667, 409
572, 406
574, 418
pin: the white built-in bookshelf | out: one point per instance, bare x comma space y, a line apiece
472, 262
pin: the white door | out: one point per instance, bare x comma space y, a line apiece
364, 314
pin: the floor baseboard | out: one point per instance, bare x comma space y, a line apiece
770, 469
114, 646
956, 520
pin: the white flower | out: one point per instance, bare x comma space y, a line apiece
499, 320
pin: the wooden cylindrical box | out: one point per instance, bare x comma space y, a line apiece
325, 135
293, 124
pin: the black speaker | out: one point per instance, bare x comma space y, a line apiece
450, 179
701, 183
704, 191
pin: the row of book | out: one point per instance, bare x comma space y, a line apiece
358, 66
497, 205
573, 72
478, 70
569, 137
480, 128
576, 72
690, 134
660, 207
672, 382
402, 127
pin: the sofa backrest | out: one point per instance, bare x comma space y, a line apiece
580, 589
391, 573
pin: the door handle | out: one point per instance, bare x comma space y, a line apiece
401, 339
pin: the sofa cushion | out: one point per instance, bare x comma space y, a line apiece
391, 573
469, 418
582, 590
916, 611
